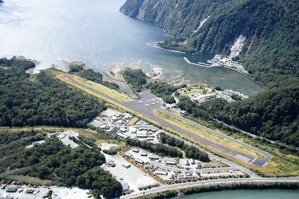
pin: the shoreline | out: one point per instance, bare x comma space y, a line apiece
201, 65
154, 45
212, 66
184, 189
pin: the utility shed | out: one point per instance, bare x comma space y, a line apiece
122, 135
153, 157
139, 161
126, 165
160, 172
149, 166
169, 162
12, 189
125, 186
128, 154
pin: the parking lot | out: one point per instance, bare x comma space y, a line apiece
132, 175
25, 192
36, 193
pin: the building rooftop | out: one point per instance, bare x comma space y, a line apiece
12, 189
122, 135
125, 186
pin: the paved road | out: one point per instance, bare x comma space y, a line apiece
146, 109
206, 183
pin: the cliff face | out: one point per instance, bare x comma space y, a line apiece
270, 28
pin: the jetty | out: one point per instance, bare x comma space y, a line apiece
199, 63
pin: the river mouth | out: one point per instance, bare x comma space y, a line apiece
96, 33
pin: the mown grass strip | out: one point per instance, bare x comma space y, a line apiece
280, 165
103, 89
207, 135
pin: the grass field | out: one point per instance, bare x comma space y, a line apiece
9, 174
280, 165
207, 135
213, 164
29, 180
103, 89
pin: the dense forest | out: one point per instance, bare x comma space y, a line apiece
273, 114
270, 27
42, 100
160, 149
270, 54
134, 78
91, 75
190, 151
61, 164
164, 90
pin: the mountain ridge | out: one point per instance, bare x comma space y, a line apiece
269, 53
269, 26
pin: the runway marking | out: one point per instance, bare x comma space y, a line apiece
242, 157
252, 160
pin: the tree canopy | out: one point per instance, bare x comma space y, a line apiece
61, 164
273, 114
135, 78
42, 100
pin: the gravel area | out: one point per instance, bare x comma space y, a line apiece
132, 175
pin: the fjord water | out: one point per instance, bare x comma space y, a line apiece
98, 34
246, 194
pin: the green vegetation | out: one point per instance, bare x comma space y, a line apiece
98, 87
85, 141
101, 182
134, 78
273, 114
190, 151
43, 100
269, 53
197, 130
270, 27
137, 81
164, 194
15, 141
91, 75
56, 162
160, 149
18, 63
112, 151
75, 68
164, 90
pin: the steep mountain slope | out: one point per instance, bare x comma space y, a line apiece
270, 28
273, 114
270, 54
